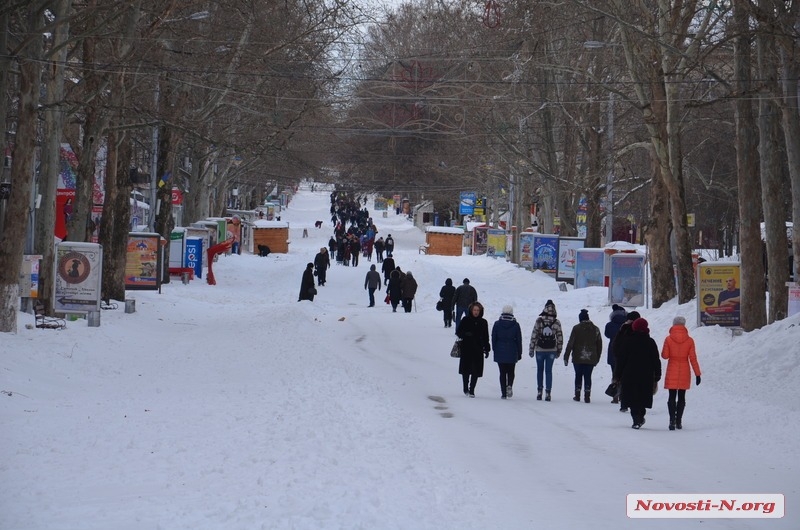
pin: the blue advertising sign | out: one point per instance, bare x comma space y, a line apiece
545, 252
467, 203
194, 255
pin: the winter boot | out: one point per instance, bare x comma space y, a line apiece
539, 395
679, 415
586, 396
671, 408
577, 396
547, 395
509, 391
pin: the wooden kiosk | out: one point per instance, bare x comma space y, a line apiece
444, 241
274, 234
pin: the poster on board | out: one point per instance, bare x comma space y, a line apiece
496, 243
589, 267
142, 262
718, 296
567, 252
480, 240
78, 277
526, 250
627, 280
545, 252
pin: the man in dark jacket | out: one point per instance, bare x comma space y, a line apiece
586, 347
408, 289
389, 245
321, 265
465, 296
371, 283
387, 267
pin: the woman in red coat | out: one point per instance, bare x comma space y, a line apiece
679, 352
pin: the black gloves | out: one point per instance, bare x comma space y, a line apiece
697, 380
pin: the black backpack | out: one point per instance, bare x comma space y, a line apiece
547, 338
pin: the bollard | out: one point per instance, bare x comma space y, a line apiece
130, 305
185, 278
94, 319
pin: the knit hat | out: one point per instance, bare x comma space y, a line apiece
633, 315
507, 309
466, 280
640, 325
583, 316
617, 307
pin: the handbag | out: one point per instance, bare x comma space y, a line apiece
611, 391
440, 305
388, 299
312, 291
455, 351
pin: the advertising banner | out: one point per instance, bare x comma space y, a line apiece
567, 252
29, 276
480, 240
627, 280
589, 267
496, 243
526, 250
142, 262
381, 204
194, 255
466, 204
794, 298
78, 276
545, 252
718, 294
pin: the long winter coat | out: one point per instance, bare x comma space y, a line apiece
639, 368
585, 344
387, 268
679, 352
307, 284
446, 293
394, 287
506, 340
408, 286
616, 319
474, 335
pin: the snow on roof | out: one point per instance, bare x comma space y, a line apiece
261, 223
445, 230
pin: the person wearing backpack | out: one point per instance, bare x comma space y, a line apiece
546, 343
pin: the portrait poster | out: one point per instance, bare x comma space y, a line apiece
143, 262
496, 243
718, 296
545, 252
480, 241
78, 277
567, 253
526, 250
627, 280
589, 267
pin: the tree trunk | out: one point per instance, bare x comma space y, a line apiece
791, 135
772, 178
115, 225
12, 240
753, 308
656, 235
44, 243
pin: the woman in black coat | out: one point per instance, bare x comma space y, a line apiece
394, 288
473, 330
446, 293
307, 289
638, 369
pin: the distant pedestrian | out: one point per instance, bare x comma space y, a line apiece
372, 283
408, 289
394, 288
387, 267
586, 347
389, 245
321, 265
379, 249
618, 344
465, 296
473, 330
446, 295
679, 351
507, 347
639, 369
307, 289
617, 317
546, 343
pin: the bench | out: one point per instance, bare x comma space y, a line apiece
46, 322
423, 249
180, 271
